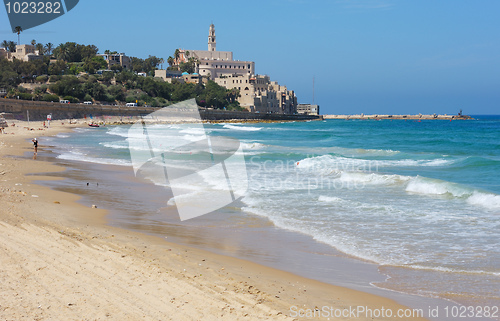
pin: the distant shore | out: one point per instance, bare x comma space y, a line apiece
411, 117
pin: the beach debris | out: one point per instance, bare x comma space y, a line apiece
34, 196
56, 202
94, 206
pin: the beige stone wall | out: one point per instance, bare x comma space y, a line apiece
216, 68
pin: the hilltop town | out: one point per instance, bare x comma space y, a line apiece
74, 73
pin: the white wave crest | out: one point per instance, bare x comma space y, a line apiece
96, 160
373, 178
336, 164
489, 201
428, 186
245, 128
329, 199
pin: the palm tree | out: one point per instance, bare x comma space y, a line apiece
40, 48
12, 46
48, 48
18, 30
177, 54
33, 42
170, 61
5, 44
62, 52
187, 53
161, 62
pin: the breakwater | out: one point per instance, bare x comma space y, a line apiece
412, 117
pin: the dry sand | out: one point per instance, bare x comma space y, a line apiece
60, 261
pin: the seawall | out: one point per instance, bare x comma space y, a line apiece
38, 111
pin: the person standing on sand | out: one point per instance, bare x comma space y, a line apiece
35, 144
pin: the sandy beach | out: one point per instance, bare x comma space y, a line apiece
60, 261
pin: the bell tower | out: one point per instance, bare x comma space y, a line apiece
211, 38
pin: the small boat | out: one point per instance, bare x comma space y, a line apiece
93, 125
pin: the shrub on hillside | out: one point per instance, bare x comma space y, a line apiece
25, 96
71, 99
54, 78
49, 97
42, 79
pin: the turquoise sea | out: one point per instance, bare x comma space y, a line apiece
419, 199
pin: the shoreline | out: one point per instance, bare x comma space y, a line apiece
88, 227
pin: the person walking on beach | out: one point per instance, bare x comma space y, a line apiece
35, 144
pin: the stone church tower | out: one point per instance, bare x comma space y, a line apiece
211, 38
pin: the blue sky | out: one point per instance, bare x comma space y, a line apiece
367, 56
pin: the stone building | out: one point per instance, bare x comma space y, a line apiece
23, 52
257, 92
117, 59
307, 109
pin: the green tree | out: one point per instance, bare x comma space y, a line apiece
214, 95
61, 52
116, 92
5, 45
137, 64
151, 64
88, 51
33, 42
12, 46
58, 68
107, 76
68, 86
9, 78
48, 48
190, 66
116, 68
18, 30
50, 97
183, 91
170, 61
40, 47
91, 65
